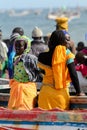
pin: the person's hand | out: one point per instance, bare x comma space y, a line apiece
81, 94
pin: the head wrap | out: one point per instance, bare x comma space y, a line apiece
21, 38
65, 32
62, 23
37, 32
29, 43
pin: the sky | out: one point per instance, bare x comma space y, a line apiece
22, 4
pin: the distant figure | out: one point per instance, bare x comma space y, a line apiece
81, 50
62, 24
81, 68
80, 46
37, 44
81, 63
18, 30
3, 57
23, 85
46, 38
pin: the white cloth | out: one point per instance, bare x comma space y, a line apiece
3, 50
82, 81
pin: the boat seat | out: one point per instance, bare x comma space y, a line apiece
78, 102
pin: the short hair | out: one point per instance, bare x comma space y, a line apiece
18, 30
80, 46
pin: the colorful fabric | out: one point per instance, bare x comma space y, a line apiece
23, 88
65, 32
22, 95
11, 54
84, 51
3, 68
25, 68
20, 73
62, 23
83, 69
10, 63
29, 43
54, 92
60, 59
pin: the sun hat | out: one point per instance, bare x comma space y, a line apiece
37, 32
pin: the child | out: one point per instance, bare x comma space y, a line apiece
23, 87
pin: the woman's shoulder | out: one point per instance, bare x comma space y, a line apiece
45, 58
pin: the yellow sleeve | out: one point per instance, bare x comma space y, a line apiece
59, 67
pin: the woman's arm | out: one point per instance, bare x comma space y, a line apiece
74, 78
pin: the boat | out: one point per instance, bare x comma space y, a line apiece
4, 85
39, 119
14, 13
4, 92
70, 14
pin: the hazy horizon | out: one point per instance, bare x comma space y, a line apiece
18, 4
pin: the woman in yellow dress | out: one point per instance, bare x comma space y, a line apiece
59, 67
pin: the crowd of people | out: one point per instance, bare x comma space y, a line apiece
55, 64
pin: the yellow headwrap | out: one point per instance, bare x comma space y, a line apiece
62, 23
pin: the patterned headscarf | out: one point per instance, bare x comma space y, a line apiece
21, 38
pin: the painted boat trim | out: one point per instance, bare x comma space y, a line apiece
38, 119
